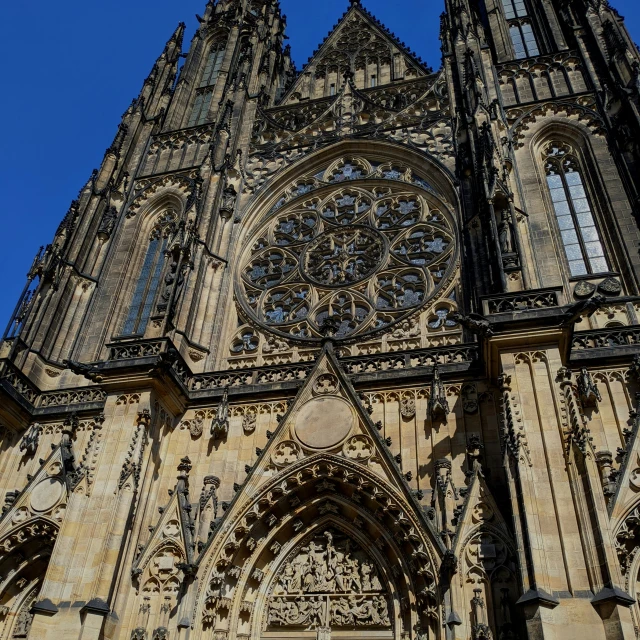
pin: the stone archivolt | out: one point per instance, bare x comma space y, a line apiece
310, 517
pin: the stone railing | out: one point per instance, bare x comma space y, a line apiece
248, 377
20, 383
353, 366
138, 349
410, 359
606, 338
70, 397
522, 301
38, 399
163, 352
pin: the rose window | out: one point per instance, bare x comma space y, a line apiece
357, 258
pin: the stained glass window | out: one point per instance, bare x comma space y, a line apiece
524, 42
201, 108
514, 9
572, 208
146, 289
523, 38
212, 68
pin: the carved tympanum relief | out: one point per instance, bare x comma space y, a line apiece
328, 581
353, 250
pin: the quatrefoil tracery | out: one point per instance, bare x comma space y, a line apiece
361, 256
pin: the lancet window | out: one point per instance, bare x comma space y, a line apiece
573, 211
149, 279
201, 107
204, 94
212, 68
523, 38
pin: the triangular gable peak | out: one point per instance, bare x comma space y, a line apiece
39, 509
326, 471
327, 417
168, 555
359, 45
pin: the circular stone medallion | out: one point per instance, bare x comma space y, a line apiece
324, 423
46, 494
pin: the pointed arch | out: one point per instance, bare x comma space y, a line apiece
295, 503
25, 552
576, 199
157, 222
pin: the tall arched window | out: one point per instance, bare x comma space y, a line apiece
201, 107
212, 68
573, 211
146, 290
204, 94
523, 38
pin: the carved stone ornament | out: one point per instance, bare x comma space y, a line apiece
359, 448
438, 405
328, 582
408, 407
196, 426
610, 287
588, 389
249, 421
286, 453
30, 440
220, 425
469, 398
326, 383
584, 289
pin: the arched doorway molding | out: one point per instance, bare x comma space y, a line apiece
258, 533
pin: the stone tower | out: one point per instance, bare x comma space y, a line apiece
351, 351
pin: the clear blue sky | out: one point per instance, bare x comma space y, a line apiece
72, 68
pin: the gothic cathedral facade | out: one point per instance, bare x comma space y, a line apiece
349, 352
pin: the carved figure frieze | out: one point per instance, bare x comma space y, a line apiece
329, 581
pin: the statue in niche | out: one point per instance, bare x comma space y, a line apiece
228, 204
588, 389
329, 582
504, 233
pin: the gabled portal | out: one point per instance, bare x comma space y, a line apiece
325, 535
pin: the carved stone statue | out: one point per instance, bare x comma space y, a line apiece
30, 440
504, 233
220, 426
588, 389
108, 223
438, 405
228, 204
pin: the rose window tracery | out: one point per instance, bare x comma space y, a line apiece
359, 252
343, 257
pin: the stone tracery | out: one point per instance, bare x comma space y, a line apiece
387, 246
